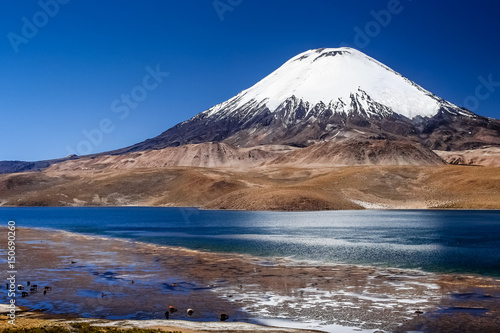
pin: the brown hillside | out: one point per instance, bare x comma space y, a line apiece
489, 156
360, 152
264, 188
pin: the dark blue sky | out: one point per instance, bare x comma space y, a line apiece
63, 70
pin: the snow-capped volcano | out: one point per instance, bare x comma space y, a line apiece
332, 76
332, 94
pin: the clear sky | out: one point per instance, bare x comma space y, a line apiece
65, 65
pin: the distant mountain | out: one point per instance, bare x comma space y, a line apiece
22, 166
332, 95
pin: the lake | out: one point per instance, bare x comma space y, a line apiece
444, 241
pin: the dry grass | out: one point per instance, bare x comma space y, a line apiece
267, 188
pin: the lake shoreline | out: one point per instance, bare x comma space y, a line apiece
371, 206
243, 286
201, 208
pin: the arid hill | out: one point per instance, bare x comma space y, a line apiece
221, 155
352, 174
359, 152
210, 155
488, 156
263, 188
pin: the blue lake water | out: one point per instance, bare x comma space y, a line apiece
438, 241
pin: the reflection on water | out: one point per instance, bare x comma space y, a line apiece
98, 277
443, 241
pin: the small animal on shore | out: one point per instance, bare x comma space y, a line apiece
24, 294
19, 287
172, 309
47, 288
223, 317
190, 312
418, 312
167, 314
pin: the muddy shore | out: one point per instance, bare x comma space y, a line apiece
115, 279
